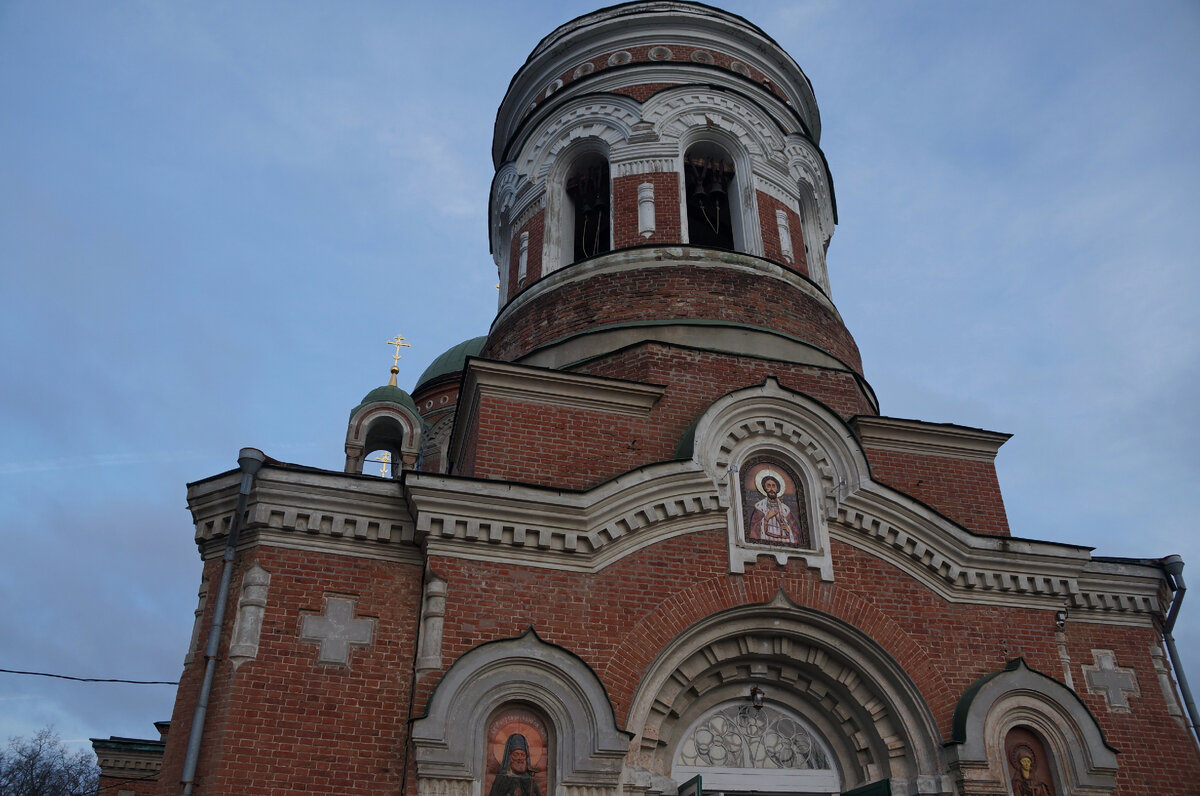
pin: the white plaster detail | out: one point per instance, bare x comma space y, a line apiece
785, 235
383, 425
1163, 672
589, 749
437, 440
1064, 657
523, 257
619, 58
585, 68
433, 617
554, 388
349, 515
609, 120
1020, 696
630, 168
553, 87
1116, 683
928, 439
807, 171
307, 510
771, 420
681, 27
337, 631
676, 111
828, 672
645, 198
702, 57
252, 606
659, 54
447, 786
194, 644
569, 531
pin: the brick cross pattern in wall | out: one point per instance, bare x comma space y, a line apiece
1116, 683
337, 630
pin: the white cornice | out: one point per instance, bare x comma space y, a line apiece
525, 525
629, 26
307, 510
574, 531
558, 388
485, 378
930, 439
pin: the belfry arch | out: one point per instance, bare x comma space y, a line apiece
829, 674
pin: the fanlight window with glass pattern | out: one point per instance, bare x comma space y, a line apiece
737, 747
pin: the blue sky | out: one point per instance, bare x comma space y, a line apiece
212, 216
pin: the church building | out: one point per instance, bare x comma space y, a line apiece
651, 535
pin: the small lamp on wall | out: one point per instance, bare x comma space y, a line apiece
1060, 619
756, 697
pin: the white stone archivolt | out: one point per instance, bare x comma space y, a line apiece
769, 420
609, 119
1018, 696
872, 722
448, 740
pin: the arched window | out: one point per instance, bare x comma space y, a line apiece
711, 195
587, 217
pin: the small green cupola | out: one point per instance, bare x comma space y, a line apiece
385, 419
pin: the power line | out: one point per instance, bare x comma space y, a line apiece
91, 679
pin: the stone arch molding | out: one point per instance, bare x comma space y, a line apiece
383, 425
1020, 696
449, 739
835, 677
609, 118
773, 420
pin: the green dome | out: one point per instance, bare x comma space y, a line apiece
390, 394
452, 361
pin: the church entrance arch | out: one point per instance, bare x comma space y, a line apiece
857, 708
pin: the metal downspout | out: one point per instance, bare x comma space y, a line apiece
249, 460
1174, 568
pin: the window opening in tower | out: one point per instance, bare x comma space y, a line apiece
588, 191
707, 185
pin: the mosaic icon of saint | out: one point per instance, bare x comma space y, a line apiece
514, 777
1026, 781
776, 516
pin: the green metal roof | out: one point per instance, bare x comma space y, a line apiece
389, 394
452, 361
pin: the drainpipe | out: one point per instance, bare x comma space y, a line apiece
249, 460
1174, 568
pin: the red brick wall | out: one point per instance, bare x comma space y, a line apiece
643, 91
282, 722
1147, 737
618, 620
666, 210
965, 490
111, 786
577, 449
684, 292
773, 250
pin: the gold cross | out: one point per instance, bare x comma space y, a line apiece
397, 341
385, 460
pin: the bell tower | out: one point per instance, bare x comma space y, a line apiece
660, 213
658, 167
